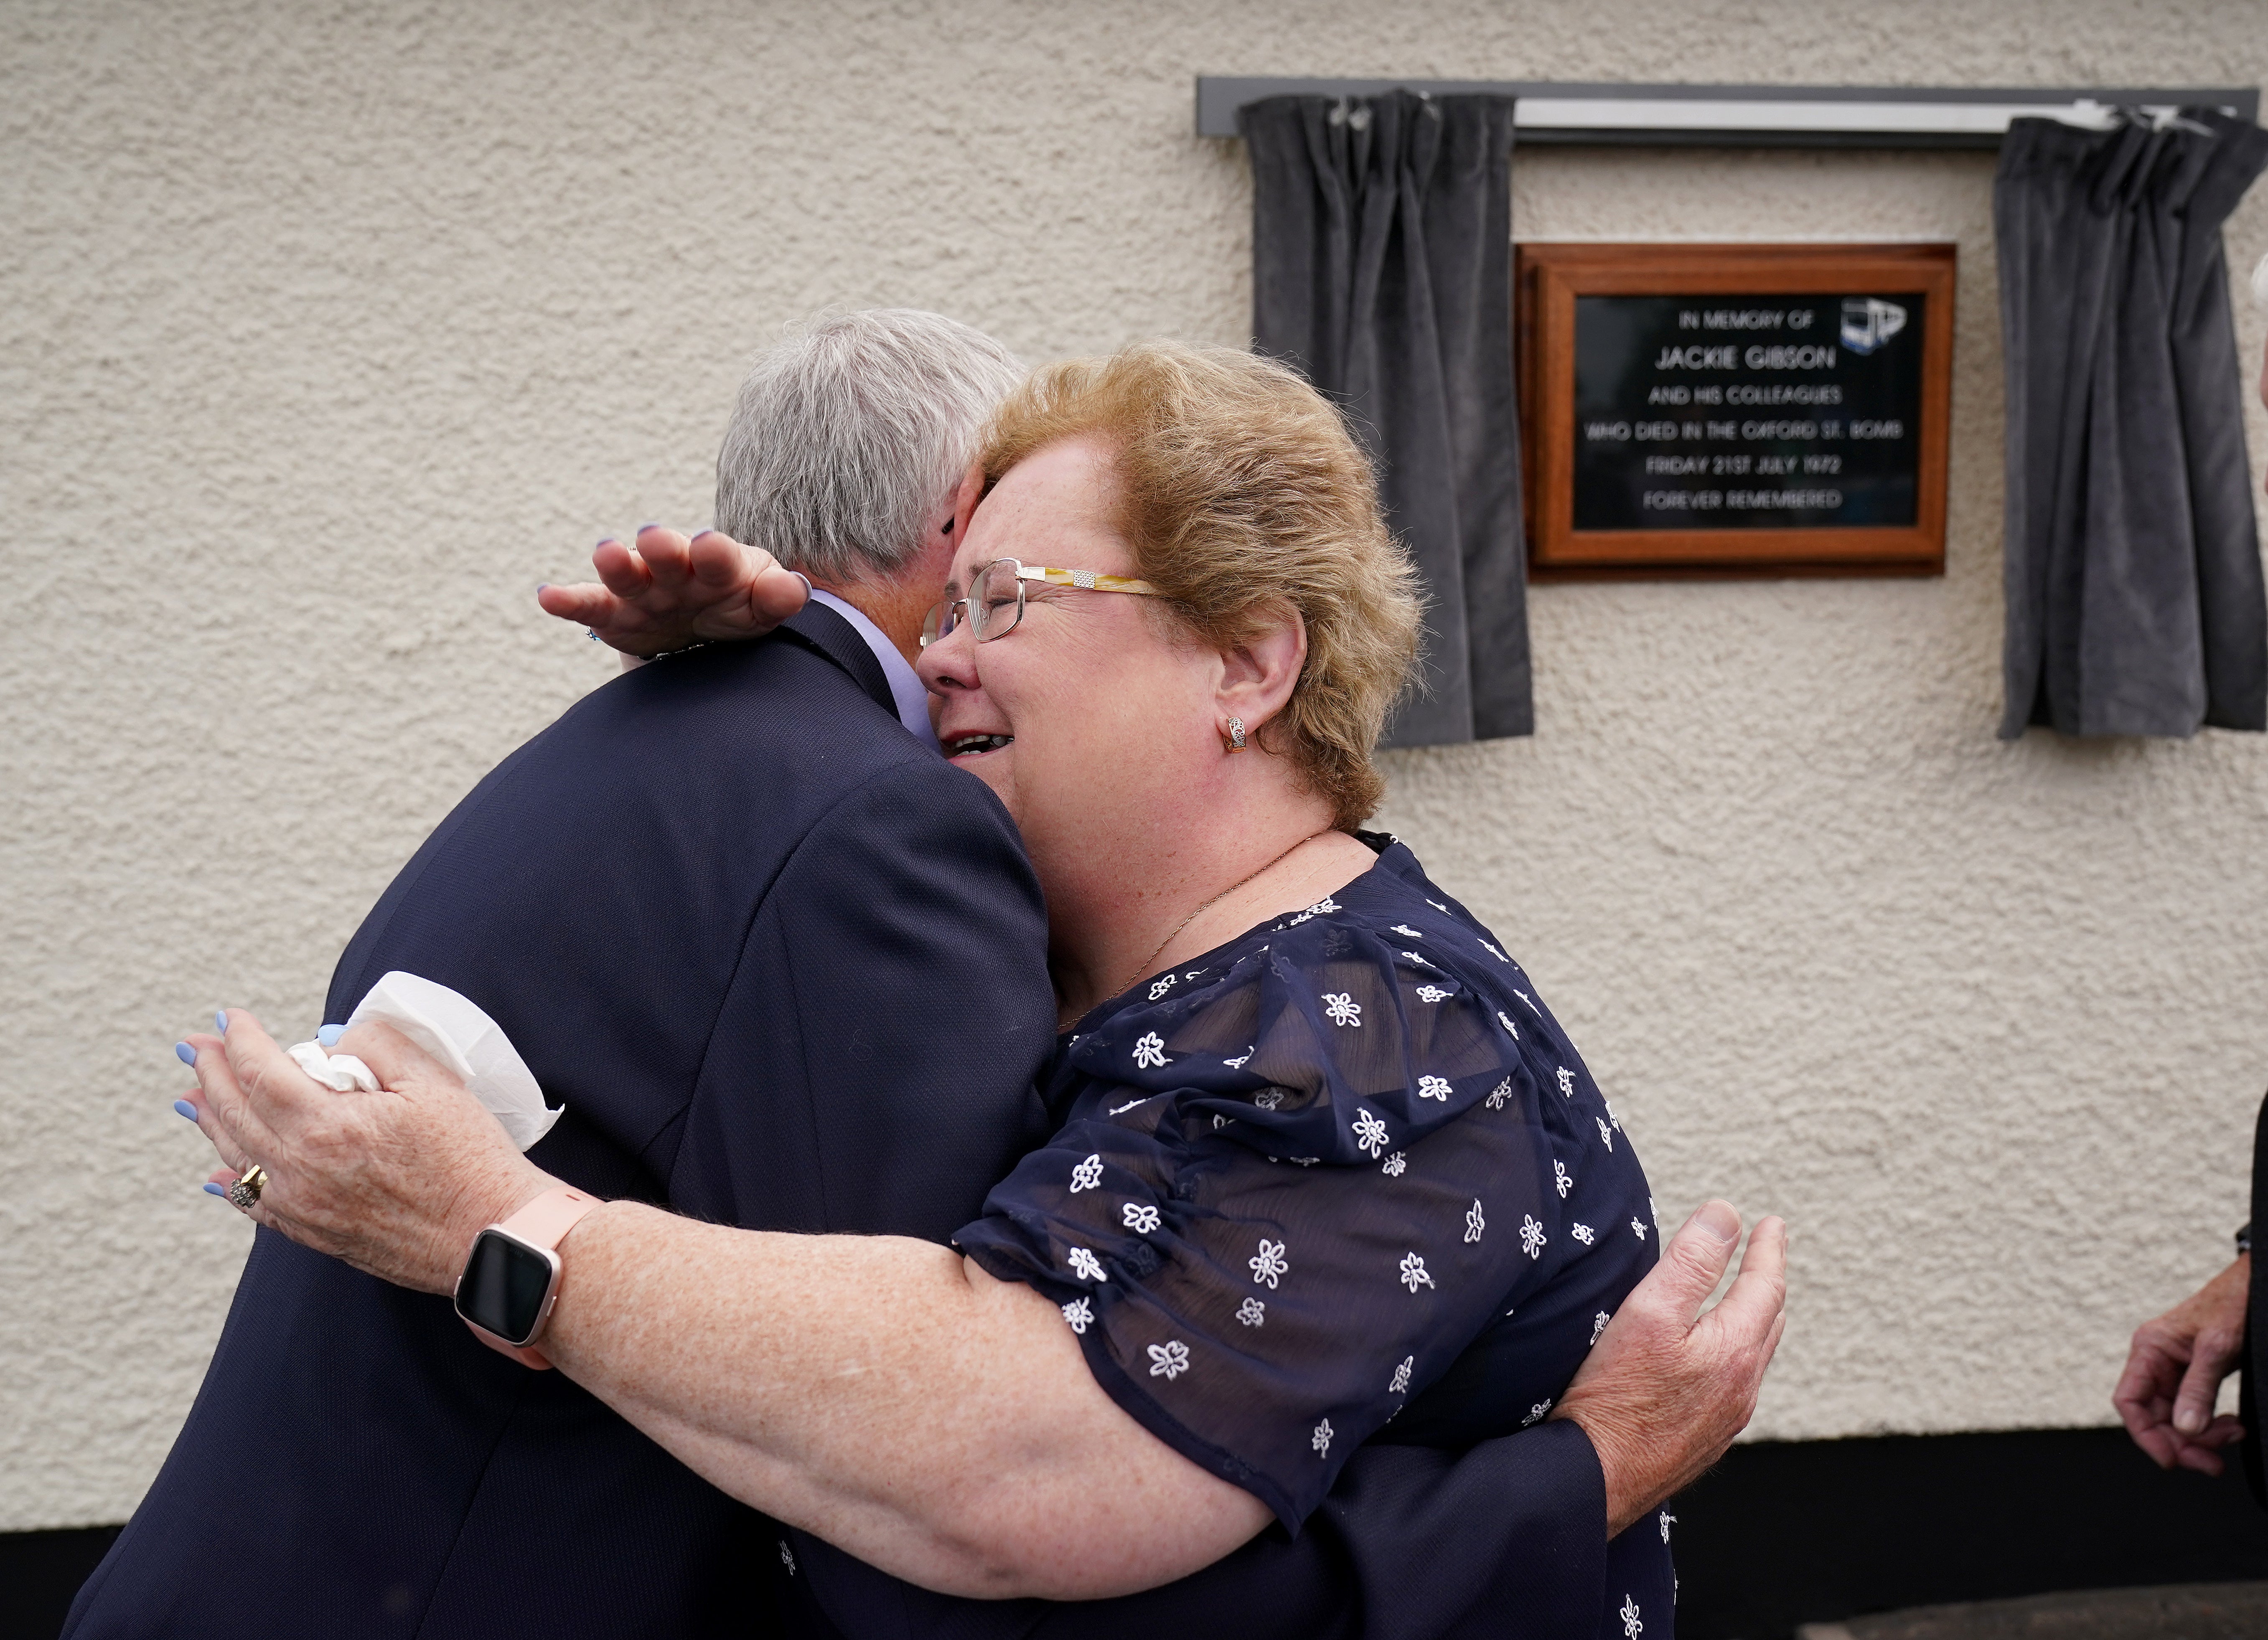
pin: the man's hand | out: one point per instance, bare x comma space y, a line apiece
2172, 1374
397, 1183
1663, 1393
668, 592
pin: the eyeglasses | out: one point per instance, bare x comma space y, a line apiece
996, 597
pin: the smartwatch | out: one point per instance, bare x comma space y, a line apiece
512, 1279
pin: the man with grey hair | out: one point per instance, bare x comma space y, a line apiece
682, 902
679, 901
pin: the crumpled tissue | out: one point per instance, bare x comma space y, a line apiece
453, 1028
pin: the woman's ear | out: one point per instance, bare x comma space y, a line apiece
1258, 674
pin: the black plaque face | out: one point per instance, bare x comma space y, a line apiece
1765, 412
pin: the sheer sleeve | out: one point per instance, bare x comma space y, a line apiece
1290, 1188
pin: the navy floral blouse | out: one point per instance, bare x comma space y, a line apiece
1342, 1179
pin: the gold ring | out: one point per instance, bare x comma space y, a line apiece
244, 1192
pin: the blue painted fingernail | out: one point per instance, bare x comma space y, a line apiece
543, 586
643, 528
186, 1108
213, 1189
328, 1036
220, 1020
183, 1052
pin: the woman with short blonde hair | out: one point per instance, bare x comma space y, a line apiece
1242, 491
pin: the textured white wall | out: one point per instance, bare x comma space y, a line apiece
326, 331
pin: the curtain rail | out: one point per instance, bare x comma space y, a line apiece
1747, 116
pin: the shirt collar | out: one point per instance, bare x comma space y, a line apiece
905, 686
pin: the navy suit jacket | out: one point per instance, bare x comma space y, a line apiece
785, 968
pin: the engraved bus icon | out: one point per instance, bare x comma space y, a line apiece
1868, 321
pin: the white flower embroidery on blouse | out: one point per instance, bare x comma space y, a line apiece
1531, 1236
1475, 1223
1269, 1265
1080, 1314
1631, 1627
1611, 1117
1321, 1439
1138, 1217
1342, 1009
1252, 1312
1493, 951
1392, 1166
1087, 1175
1150, 1050
1534, 1412
1218, 1123
1430, 993
1411, 956
1503, 1093
1238, 1064
1401, 928
1084, 1265
1559, 1176
1530, 1001
1303, 1161
1434, 1088
1413, 1272
1638, 1226
1317, 909
1120, 1110
1566, 1081
1161, 988
1400, 1386
1599, 1324
1267, 1099
1504, 1019
1668, 1521
1437, 905
787, 1554
1606, 1133
1369, 1133
1583, 1233
1169, 1360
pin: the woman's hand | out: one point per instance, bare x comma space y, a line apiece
397, 1182
668, 592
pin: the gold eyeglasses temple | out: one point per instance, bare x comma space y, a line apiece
1093, 580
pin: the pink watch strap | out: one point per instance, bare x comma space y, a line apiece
543, 1222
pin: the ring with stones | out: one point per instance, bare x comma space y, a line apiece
244, 1192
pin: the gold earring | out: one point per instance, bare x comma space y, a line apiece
1235, 735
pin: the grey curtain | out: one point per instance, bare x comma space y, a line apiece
2134, 599
1382, 253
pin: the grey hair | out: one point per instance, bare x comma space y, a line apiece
850, 431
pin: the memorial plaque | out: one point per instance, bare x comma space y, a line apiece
1735, 409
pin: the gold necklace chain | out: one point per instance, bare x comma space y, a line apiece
1144, 965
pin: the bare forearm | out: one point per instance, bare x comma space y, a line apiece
882, 1393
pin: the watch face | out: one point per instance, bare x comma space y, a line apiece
504, 1287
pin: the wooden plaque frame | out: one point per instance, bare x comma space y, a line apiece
1547, 280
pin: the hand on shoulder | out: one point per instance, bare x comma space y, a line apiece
668, 590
